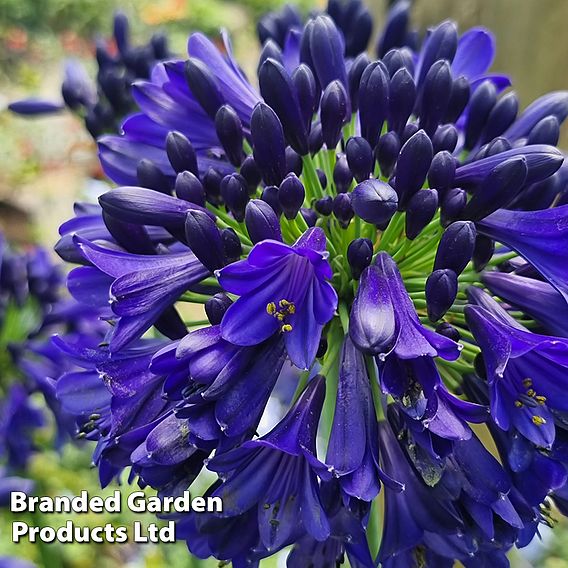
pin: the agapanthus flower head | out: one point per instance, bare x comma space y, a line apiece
343, 221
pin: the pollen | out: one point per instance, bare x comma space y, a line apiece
527, 383
518, 404
271, 308
540, 399
286, 328
538, 420
531, 393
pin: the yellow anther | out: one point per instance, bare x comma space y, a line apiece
291, 309
538, 420
279, 316
286, 328
527, 383
531, 392
283, 303
271, 308
540, 399
518, 404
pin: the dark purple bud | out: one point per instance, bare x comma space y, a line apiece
333, 113
278, 91
441, 291
496, 146
324, 206
386, 152
459, 97
121, 32
291, 195
420, 211
359, 256
212, 185
234, 190
250, 171
448, 330
134, 238
539, 195
216, 307
342, 176
203, 86
453, 203
270, 50
374, 201
326, 51
354, 78
357, 27
546, 131
309, 215
500, 187
482, 252
373, 101
231, 245
440, 44
270, 196
269, 147
397, 59
456, 246
395, 28
482, 102
293, 162
261, 221
359, 157
435, 96
305, 49
409, 130
402, 96
502, 115
229, 130
189, 187
342, 209
322, 348
150, 176
307, 91
442, 170
204, 239
160, 47
412, 166
181, 153
316, 139
322, 178
445, 138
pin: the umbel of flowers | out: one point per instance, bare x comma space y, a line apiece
393, 229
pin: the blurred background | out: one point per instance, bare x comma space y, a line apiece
48, 163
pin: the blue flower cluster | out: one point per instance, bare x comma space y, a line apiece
392, 228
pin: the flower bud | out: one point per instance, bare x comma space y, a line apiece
189, 187
496, 146
333, 113
291, 195
203, 86
374, 201
456, 246
498, 189
322, 178
204, 239
316, 139
270, 196
412, 166
216, 307
482, 252
402, 96
294, 162
546, 131
231, 245
442, 170
502, 115
249, 170
441, 291
307, 91
395, 28
121, 31
235, 195
269, 147
181, 153
482, 102
342, 176
212, 185
442, 43
359, 157
356, 70
150, 176
435, 96
420, 211
160, 47
278, 91
445, 138
359, 256
309, 215
261, 221
229, 130
324, 206
373, 101
386, 152
397, 59
409, 131
453, 204
270, 50
342, 209
448, 330
459, 97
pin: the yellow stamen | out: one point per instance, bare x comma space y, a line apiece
527, 383
538, 420
271, 308
531, 392
518, 404
540, 399
286, 328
